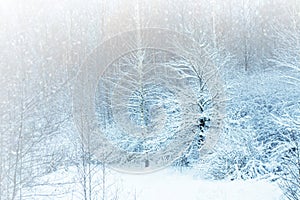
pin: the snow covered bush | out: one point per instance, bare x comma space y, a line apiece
287, 58
249, 146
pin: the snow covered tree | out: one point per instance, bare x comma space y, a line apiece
287, 59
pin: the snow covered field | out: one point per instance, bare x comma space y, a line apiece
163, 185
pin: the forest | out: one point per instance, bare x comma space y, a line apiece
97, 92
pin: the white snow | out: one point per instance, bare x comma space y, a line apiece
163, 185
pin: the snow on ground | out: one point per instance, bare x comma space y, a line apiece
163, 185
